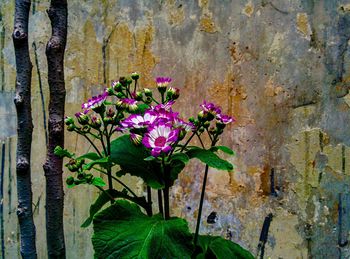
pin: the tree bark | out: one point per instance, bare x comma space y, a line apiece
55, 49
24, 128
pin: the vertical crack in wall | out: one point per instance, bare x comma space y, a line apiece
41, 91
2, 171
9, 186
2, 46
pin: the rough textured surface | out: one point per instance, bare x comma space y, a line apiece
282, 68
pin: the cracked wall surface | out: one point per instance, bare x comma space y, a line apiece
281, 68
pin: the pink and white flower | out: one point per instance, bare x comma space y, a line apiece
160, 138
163, 82
95, 101
225, 119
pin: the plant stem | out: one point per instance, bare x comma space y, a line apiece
92, 144
166, 202
166, 191
135, 86
201, 205
188, 141
200, 140
149, 198
160, 202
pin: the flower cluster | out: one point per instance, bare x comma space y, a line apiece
158, 129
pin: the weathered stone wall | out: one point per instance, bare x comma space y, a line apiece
282, 68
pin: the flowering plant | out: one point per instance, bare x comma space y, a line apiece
153, 144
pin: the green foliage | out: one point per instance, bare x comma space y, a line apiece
90, 156
181, 157
131, 159
123, 231
98, 181
60, 152
217, 247
210, 158
107, 196
102, 162
224, 149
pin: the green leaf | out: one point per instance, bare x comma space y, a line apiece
98, 181
149, 158
91, 156
131, 159
210, 158
105, 197
102, 161
60, 152
142, 107
224, 149
123, 231
181, 156
217, 247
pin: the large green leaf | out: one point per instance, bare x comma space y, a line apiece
123, 231
131, 159
217, 247
210, 158
104, 198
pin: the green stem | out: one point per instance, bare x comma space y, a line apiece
195, 240
166, 191
160, 202
188, 141
135, 86
200, 140
92, 144
149, 198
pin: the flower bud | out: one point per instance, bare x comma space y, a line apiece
128, 81
147, 92
123, 81
70, 180
108, 120
135, 76
99, 109
71, 127
110, 91
110, 112
202, 116
173, 93
138, 96
95, 122
117, 86
68, 120
83, 119
206, 124
120, 95
220, 125
148, 100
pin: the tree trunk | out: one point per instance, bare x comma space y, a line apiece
24, 128
53, 166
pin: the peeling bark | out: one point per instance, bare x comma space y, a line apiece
53, 166
24, 128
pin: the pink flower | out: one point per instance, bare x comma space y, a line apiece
160, 138
163, 82
210, 108
136, 121
225, 119
95, 101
